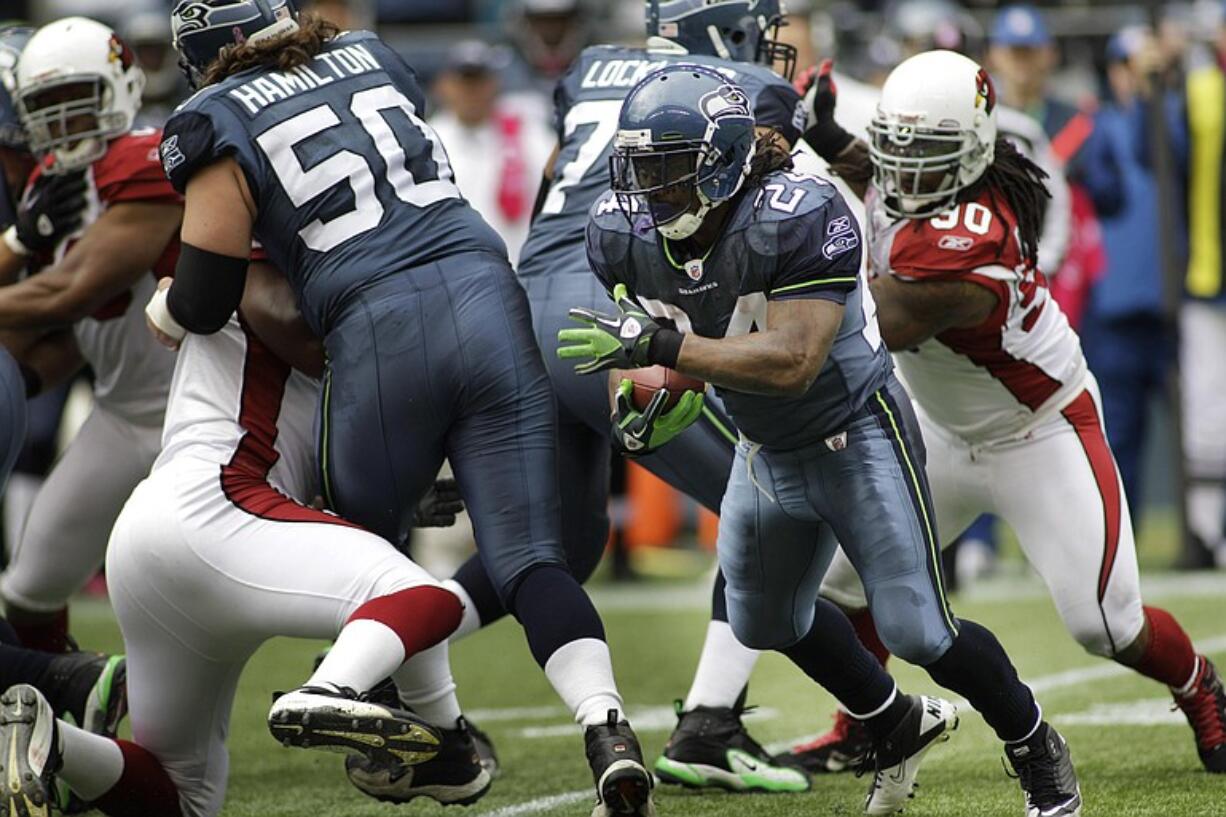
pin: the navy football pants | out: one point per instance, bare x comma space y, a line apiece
12, 414
439, 361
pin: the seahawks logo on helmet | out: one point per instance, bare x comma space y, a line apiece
727, 100
193, 17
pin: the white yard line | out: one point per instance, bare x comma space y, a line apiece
1044, 683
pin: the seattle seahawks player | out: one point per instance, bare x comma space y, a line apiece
777, 320
313, 141
735, 37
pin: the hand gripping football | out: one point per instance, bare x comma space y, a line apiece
650, 380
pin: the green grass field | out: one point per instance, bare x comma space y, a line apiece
1135, 757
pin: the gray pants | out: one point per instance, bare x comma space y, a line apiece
785, 511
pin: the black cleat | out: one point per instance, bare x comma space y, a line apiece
343, 721
1045, 771
88, 690
623, 784
842, 749
896, 757
455, 776
29, 753
711, 749
485, 750
1205, 708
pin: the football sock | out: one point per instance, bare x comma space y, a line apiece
832, 655
881, 722
866, 631
144, 789
470, 622
719, 599
92, 764
1169, 656
480, 591
21, 666
385, 631
723, 669
581, 672
553, 610
40, 631
977, 668
426, 686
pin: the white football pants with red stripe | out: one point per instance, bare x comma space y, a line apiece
1059, 489
64, 539
198, 584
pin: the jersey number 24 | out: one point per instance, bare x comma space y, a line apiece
418, 172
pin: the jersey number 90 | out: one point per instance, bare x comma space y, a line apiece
418, 172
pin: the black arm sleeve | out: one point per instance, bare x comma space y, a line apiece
207, 289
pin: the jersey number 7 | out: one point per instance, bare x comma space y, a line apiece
419, 172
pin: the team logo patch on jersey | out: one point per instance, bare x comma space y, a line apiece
693, 268
960, 243
838, 225
172, 157
840, 244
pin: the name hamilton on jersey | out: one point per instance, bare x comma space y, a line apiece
327, 67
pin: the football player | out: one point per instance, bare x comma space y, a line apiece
778, 321
710, 744
313, 141
196, 571
1004, 397
78, 89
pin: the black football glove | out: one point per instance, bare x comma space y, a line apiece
622, 340
824, 135
440, 506
51, 209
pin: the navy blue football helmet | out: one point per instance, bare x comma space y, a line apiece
684, 143
202, 28
740, 30
12, 40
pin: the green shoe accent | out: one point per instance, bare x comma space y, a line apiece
681, 774
745, 773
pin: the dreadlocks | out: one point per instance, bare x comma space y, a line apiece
1019, 182
770, 153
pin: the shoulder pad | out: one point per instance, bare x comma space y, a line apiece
131, 170
958, 241
189, 142
792, 208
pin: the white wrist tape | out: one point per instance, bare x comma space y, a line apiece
14, 243
159, 315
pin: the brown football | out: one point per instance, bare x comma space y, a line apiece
653, 378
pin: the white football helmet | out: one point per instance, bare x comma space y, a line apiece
78, 86
934, 133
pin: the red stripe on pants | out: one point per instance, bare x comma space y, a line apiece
1082, 414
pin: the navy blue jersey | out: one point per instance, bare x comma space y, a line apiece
8, 201
587, 103
350, 183
790, 236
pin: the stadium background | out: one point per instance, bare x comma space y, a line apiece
491, 66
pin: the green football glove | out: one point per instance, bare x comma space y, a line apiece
640, 432
617, 341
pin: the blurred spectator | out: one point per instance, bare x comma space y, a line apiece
347, 15
148, 33
1126, 340
546, 36
497, 153
1198, 135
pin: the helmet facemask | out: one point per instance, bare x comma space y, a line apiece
775, 54
71, 118
668, 181
920, 171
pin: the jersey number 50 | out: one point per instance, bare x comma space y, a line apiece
419, 172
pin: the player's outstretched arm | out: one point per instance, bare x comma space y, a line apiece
846, 155
910, 312
121, 246
784, 359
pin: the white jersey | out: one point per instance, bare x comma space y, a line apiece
131, 371
235, 404
1022, 364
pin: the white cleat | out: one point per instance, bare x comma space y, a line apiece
29, 753
898, 756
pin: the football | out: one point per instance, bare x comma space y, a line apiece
650, 380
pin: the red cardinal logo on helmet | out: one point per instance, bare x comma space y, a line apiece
985, 91
121, 53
